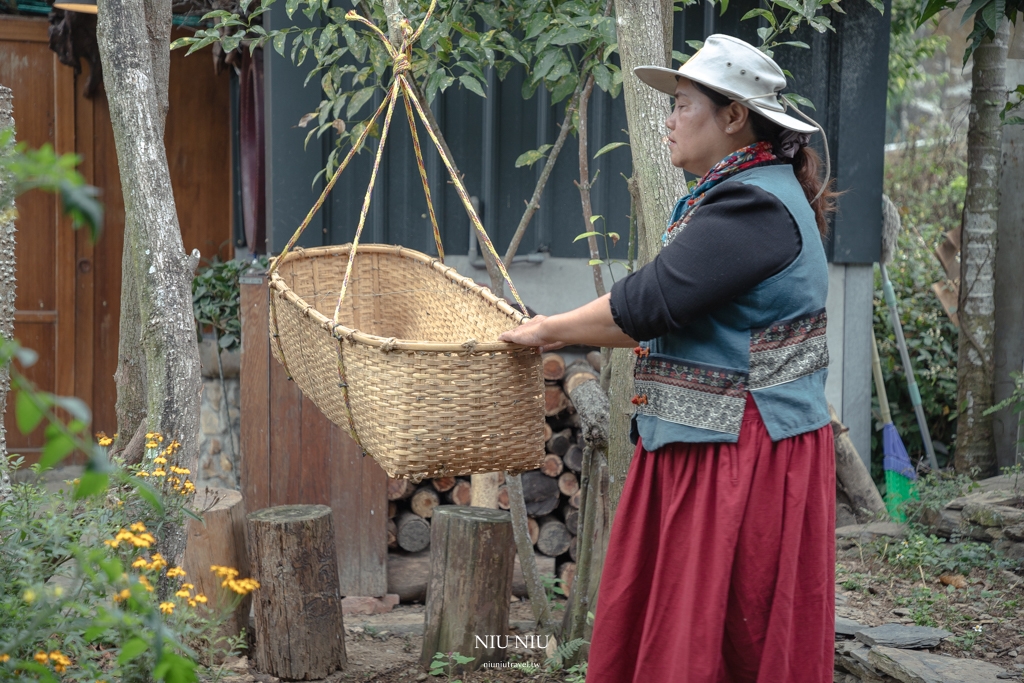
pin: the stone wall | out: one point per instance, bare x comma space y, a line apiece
218, 426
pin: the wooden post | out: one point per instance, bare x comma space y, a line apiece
300, 634
219, 539
471, 561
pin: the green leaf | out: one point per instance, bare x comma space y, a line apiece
57, 447
175, 669
94, 632
569, 36
75, 406
132, 649
565, 86
81, 204
90, 484
585, 235
796, 43
27, 414
472, 84
761, 13
112, 567
725, 6
533, 156
595, 262
609, 147
799, 100
560, 69
544, 64
290, 6
149, 495
358, 100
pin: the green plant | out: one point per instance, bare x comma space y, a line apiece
1015, 401
83, 594
935, 490
920, 552
927, 185
444, 664
553, 586
46, 170
563, 653
215, 301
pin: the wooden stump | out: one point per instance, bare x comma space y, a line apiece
568, 484
218, 540
400, 489
413, 532
554, 538
299, 632
559, 442
409, 573
553, 366
424, 501
471, 562
540, 492
551, 465
442, 484
461, 493
573, 458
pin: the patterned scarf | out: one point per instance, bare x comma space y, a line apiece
740, 160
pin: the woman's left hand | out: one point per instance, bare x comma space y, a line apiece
531, 333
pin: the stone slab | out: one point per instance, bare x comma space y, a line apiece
872, 531
848, 627
921, 667
905, 637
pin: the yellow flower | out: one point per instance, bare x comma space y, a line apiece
142, 474
180, 470
4, 659
41, 657
158, 562
123, 595
224, 572
138, 527
140, 564
160, 460
183, 593
152, 444
200, 598
106, 441
146, 584
61, 661
143, 540
242, 586
166, 607
175, 571
159, 473
58, 591
29, 596
188, 487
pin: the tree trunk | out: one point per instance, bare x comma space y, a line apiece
129, 36
7, 282
975, 447
657, 184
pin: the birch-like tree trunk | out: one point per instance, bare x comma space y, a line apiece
7, 282
975, 447
130, 376
133, 43
658, 185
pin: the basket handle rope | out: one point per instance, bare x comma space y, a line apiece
401, 66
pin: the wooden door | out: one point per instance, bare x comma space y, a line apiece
69, 289
44, 308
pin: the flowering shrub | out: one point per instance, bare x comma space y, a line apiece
84, 595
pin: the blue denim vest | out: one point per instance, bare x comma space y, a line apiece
692, 385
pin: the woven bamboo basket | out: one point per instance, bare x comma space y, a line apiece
414, 369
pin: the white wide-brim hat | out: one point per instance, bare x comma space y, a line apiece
736, 69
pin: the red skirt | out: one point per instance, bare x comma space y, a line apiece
721, 564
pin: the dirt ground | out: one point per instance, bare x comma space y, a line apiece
985, 611
985, 615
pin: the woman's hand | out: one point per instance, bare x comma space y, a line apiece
532, 333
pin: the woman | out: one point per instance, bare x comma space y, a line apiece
720, 565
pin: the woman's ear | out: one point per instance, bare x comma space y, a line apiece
734, 117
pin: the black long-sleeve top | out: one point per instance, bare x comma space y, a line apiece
738, 236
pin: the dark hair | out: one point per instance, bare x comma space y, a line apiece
806, 163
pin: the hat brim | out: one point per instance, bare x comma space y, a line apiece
664, 80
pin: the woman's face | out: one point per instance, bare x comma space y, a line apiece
700, 134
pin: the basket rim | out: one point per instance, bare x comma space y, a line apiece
339, 331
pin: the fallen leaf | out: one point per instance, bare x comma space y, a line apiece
954, 580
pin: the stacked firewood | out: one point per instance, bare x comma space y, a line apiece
551, 492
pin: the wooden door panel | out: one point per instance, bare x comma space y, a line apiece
44, 255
